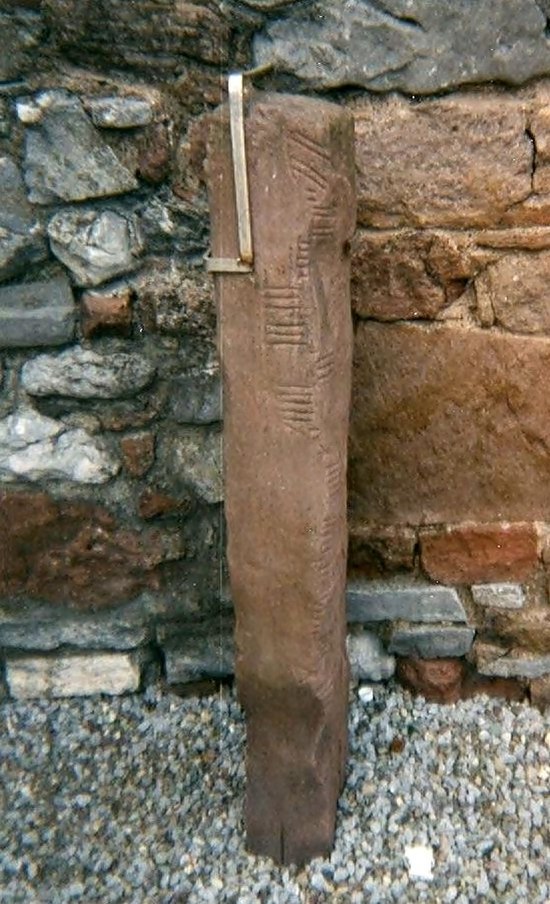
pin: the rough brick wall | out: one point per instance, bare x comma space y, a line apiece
110, 496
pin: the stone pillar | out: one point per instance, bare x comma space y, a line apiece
285, 337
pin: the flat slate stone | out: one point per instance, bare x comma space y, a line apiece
413, 46
37, 314
194, 658
22, 242
66, 158
500, 596
382, 601
85, 374
72, 675
82, 633
432, 642
368, 660
520, 666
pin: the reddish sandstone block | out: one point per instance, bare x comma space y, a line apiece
439, 680
539, 690
472, 553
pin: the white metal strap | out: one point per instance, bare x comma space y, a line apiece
240, 176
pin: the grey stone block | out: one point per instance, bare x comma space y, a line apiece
432, 641
516, 666
22, 242
84, 633
85, 374
37, 314
73, 674
96, 246
196, 398
500, 596
414, 46
20, 34
119, 112
66, 159
195, 658
367, 658
388, 601
35, 447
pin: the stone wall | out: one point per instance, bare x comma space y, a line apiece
111, 523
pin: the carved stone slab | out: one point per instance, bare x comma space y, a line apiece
285, 337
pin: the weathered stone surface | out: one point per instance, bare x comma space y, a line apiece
95, 245
469, 553
72, 675
5, 118
35, 447
154, 504
431, 641
439, 680
457, 161
159, 39
106, 313
76, 553
177, 301
192, 458
154, 161
368, 660
120, 112
83, 632
65, 157
37, 314
416, 274
414, 46
196, 398
21, 239
285, 433
529, 629
517, 287
449, 425
191, 657
500, 596
21, 31
386, 601
84, 374
380, 551
138, 453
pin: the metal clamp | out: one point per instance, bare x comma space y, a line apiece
243, 264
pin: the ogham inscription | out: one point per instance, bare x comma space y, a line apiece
285, 340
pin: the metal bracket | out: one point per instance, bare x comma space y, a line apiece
238, 151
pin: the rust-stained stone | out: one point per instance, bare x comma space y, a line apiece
138, 453
154, 161
539, 691
449, 424
286, 349
474, 553
449, 680
106, 313
153, 504
75, 553
457, 161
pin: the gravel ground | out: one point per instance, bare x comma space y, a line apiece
138, 799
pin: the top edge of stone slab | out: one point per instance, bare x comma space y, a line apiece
379, 601
418, 47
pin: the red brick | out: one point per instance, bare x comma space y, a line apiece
474, 553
